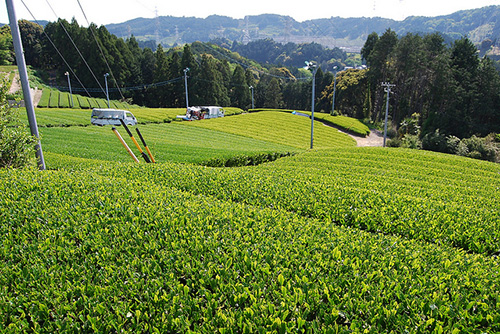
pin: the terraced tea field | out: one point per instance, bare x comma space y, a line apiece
334, 240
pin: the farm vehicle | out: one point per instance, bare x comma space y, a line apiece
197, 113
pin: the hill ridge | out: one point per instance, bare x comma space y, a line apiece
349, 33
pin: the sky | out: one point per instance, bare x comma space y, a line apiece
104, 12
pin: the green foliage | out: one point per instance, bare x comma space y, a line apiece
411, 141
6, 46
174, 141
178, 248
54, 98
64, 101
244, 160
435, 141
473, 147
44, 99
449, 87
278, 127
16, 145
348, 124
83, 101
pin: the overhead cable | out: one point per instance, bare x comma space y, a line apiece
100, 49
55, 47
76, 47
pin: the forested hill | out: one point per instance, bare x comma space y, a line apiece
477, 24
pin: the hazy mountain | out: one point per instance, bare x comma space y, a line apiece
349, 33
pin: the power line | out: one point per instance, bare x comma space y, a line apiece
55, 47
100, 49
76, 47
132, 88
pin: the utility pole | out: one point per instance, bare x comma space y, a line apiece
70, 93
314, 68
387, 88
106, 81
334, 89
186, 85
23, 74
251, 88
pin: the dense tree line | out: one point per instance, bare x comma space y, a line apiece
449, 86
155, 78
147, 77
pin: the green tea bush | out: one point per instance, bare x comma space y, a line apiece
64, 101
44, 99
83, 101
245, 160
54, 99
174, 248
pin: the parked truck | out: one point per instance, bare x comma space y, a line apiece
197, 113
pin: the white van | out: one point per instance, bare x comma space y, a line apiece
112, 117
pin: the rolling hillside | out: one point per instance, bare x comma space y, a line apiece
338, 239
351, 33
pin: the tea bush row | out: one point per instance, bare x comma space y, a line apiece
112, 250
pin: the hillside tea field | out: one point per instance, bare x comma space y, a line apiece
347, 240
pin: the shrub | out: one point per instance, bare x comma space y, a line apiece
435, 141
54, 99
16, 145
411, 141
453, 144
480, 148
83, 101
395, 142
44, 99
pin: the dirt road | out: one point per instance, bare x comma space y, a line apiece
375, 138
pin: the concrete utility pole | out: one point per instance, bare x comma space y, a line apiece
186, 85
387, 89
334, 89
106, 82
314, 68
70, 93
23, 74
251, 88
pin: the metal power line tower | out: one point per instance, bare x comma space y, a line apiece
387, 88
246, 33
157, 26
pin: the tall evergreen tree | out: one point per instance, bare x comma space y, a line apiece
161, 74
176, 88
240, 92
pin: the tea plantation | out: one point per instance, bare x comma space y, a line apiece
338, 239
